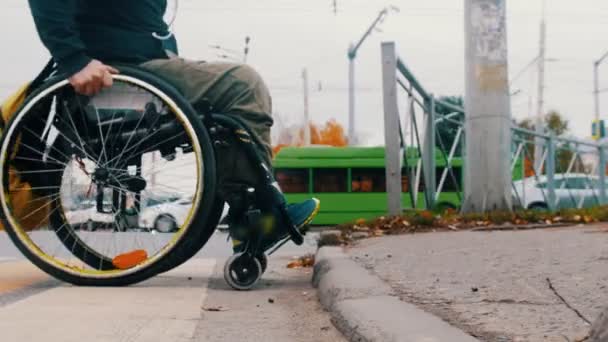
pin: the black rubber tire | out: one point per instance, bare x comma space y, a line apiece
174, 223
248, 269
199, 232
538, 207
263, 259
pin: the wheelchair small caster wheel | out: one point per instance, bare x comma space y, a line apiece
242, 272
263, 259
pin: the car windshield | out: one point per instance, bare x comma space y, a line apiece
158, 200
573, 183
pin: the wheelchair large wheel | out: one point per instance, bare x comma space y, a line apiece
84, 178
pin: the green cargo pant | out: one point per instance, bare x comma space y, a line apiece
230, 89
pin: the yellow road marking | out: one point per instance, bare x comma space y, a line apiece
15, 275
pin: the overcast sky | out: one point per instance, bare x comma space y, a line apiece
288, 35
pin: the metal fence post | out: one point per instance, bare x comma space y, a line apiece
602, 173
428, 154
550, 171
391, 128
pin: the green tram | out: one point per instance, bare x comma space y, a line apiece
351, 181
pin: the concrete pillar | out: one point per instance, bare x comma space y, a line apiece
488, 110
391, 129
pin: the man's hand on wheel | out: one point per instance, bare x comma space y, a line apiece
93, 78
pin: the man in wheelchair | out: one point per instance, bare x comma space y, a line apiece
85, 36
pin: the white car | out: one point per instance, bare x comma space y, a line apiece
574, 190
166, 216
169, 216
85, 216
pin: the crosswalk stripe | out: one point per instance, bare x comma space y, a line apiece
165, 308
15, 275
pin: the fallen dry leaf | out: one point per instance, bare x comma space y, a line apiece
295, 264
361, 228
302, 262
378, 233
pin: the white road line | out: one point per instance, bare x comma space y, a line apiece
165, 308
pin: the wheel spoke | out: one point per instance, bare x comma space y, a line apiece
67, 169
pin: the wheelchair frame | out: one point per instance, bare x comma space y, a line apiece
214, 124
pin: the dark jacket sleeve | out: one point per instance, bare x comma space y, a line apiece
56, 24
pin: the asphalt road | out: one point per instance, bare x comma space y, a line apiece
191, 303
494, 285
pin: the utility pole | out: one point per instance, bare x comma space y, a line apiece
232, 54
596, 88
540, 114
307, 141
487, 101
352, 55
247, 41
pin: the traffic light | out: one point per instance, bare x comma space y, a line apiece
598, 129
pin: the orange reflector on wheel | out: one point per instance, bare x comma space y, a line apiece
130, 260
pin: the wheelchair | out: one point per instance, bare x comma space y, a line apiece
85, 179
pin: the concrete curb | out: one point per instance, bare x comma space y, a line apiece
365, 309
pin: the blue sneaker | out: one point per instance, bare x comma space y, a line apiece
301, 214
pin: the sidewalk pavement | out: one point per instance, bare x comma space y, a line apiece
188, 304
542, 285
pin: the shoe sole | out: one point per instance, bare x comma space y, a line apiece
314, 214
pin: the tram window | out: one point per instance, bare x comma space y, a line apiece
368, 180
405, 183
452, 182
408, 179
293, 181
330, 180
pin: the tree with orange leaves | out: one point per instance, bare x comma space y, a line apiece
331, 134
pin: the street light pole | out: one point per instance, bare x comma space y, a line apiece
307, 140
596, 88
352, 55
539, 126
351, 95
